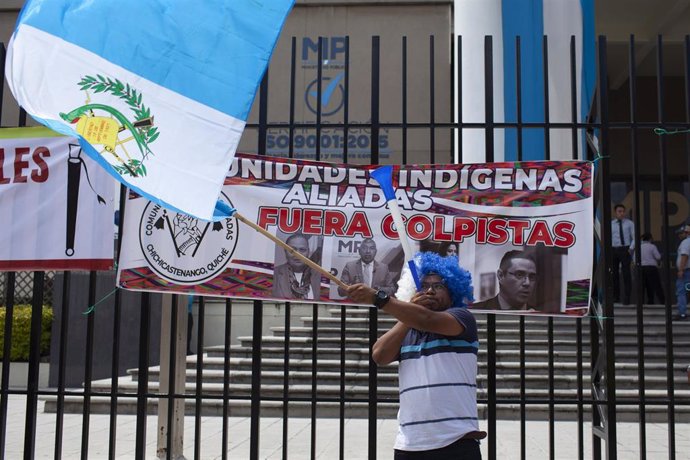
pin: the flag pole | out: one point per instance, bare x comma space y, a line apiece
287, 247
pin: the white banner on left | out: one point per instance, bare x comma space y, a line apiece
56, 204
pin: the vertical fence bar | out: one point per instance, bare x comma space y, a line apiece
346, 103
490, 319
458, 85
632, 88
62, 364
373, 312
172, 369
143, 375
314, 372
286, 344
432, 108
578, 322
34, 358
115, 362
6, 358
518, 94
226, 378
291, 129
451, 95
88, 368
117, 319
199, 376
3, 54
257, 320
404, 100
610, 427
315, 307
341, 424
375, 97
600, 292
257, 316
594, 326
686, 69
343, 309
286, 379
319, 94
670, 384
547, 156
22, 117
518, 118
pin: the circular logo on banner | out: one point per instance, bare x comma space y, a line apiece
184, 249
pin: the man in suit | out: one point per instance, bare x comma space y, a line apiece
294, 279
517, 278
367, 270
622, 237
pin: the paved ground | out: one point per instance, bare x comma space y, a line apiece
326, 438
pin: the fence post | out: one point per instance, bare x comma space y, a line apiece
173, 359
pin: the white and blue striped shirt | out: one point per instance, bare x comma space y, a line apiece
438, 386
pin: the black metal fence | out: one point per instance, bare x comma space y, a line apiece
503, 394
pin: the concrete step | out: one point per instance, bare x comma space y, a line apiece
531, 342
242, 408
328, 331
561, 380
277, 351
503, 354
652, 369
212, 391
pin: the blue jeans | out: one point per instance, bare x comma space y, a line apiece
681, 292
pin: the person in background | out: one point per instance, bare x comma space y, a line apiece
517, 279
295, 279
367, 270
436, 342
683, 273
649, 267
448, 248
622, 237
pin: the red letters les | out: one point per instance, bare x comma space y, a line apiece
19, 172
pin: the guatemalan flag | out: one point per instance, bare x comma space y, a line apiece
531, 20
158, 91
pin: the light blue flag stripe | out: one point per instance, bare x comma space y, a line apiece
526, 19
233, 39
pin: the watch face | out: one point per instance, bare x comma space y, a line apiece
381, 298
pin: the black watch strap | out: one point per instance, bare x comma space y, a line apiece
381, 298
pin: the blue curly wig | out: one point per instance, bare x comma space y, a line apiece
457, 280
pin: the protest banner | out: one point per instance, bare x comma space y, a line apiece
523, 230
56, 204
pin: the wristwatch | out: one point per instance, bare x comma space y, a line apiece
381, 298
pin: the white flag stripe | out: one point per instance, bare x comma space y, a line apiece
563, 20
205, 146
474, 19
